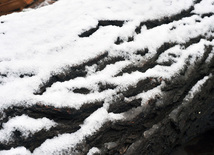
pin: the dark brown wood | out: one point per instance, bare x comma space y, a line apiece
8, 6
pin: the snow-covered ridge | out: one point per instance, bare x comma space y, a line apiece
131, 50
25, 125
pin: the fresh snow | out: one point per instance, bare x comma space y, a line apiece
45, 41
93, 151
16, 151
208, 4
42, 43
25, 125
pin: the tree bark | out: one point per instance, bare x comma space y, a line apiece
165, 122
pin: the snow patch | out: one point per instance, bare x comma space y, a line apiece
93, 150
25, 125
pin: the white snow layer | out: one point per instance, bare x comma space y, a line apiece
45, 41
25, 125
16, 151
200, 8
93, 151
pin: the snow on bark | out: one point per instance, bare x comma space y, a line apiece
106, 77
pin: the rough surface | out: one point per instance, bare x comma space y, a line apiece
169, 100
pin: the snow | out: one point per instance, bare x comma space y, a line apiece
25, 125
93, 151
65, 141
45, 42
208, 4
44, 47
16, 151
196, 88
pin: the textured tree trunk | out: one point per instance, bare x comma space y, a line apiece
164, 122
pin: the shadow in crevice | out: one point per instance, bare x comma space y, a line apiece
203, 144
101, 23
